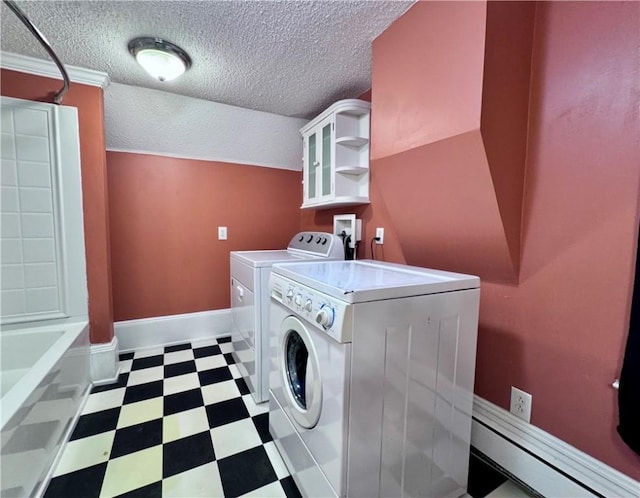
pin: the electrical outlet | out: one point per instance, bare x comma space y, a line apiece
380, 235
222, 233
520, 404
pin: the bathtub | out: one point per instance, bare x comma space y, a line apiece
45, 378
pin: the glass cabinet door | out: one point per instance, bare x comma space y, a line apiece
318, 163
326, 160
312, 164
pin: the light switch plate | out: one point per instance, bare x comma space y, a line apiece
222, 233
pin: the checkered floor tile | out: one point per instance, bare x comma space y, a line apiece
180, 422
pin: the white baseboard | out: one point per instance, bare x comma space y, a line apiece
104, 362
167, 330
543, 462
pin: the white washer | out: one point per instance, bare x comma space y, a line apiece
371, 379
250, 300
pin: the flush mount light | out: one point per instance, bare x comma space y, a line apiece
161, 59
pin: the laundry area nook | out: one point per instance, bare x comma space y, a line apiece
317, 248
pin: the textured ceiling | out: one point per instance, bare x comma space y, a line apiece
293, 58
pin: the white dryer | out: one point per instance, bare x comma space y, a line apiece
371, 380
250, 300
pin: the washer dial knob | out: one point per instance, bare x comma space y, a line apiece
290, 295
298, 300
307, 305
325, 316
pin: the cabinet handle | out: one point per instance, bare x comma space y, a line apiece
240, 293
316, 163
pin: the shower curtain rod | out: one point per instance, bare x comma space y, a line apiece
57, 98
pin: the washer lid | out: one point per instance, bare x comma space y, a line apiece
303, 246
367, 280
268, 258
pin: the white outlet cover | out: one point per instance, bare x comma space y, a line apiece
520, 405
222, 233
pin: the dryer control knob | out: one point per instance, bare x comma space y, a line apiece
290, 294
325, 316
308, 305
298, 300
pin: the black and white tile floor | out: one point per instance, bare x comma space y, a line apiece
180, 422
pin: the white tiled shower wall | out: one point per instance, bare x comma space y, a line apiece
44, 333
30, 264
42, 261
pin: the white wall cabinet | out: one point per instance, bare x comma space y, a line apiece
336, 156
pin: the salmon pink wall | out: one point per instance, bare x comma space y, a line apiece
504, 113
438, 95
565, 325
434, 111
558, 331
449, 208
166, 257
89, 102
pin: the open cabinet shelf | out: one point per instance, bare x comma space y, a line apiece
351, 170
355, 142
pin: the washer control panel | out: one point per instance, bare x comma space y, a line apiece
320, 244
323, 312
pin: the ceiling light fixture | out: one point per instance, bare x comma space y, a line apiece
161, 59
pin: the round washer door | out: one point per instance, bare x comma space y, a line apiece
298, 362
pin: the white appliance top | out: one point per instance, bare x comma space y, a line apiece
303, 246
367, 280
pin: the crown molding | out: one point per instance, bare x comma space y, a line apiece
48, 69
